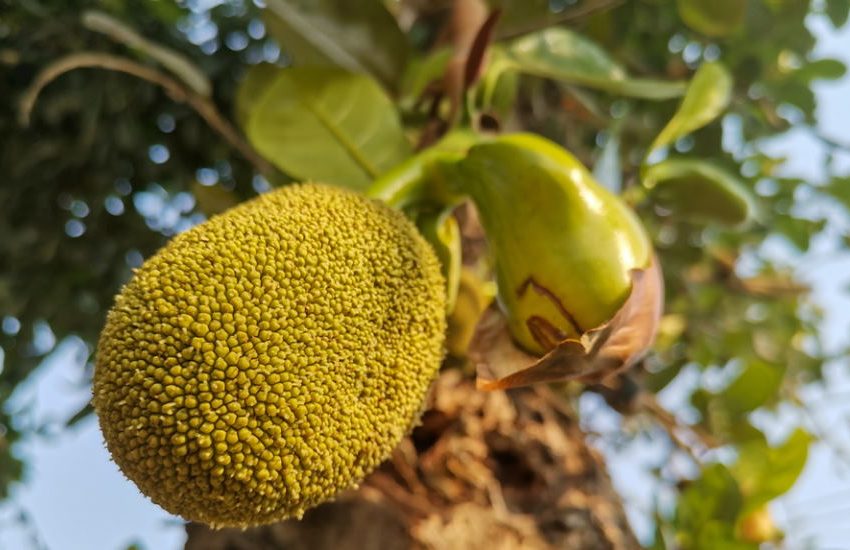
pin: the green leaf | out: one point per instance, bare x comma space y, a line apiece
798, 231
707, 509
567, 56
839, 188
324, 124
498, 85
699, 190
763, 472
755, 386
823, 69
358, 36
422, 71
708, 95
713, 17
838, 10
81, 414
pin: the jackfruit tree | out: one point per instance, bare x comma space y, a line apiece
353, 274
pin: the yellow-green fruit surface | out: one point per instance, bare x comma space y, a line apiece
270, 357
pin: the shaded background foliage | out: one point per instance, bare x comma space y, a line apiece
110, 167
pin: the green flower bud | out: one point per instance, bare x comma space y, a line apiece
563, 245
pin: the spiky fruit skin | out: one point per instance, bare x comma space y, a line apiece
270, 357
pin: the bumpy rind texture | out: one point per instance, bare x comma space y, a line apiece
270, 357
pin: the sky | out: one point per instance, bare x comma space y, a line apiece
74, 497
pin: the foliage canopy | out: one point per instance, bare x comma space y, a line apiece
668, 101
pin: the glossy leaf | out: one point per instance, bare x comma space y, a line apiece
708, 95
758, 383
498, 85
697, 190
713, 17
823, 69
765, 472
565, 55
422, 71
837, 10
357, 36
327, 125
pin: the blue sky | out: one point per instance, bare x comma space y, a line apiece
75, 498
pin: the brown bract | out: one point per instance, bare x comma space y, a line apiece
600, 353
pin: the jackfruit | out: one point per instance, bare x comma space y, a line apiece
270, 357
564, 246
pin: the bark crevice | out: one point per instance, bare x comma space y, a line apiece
491, 471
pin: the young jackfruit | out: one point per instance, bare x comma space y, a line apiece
270, 357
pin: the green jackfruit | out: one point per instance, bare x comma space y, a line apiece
563, 245
270, 357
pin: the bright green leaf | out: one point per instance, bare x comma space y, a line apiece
838, 10
498, 85
707, 509
698, 190
324, 124
713, 17
421, 72
567, 56
839, 189
708, 95
358, 36
823, 69
758, 383
798, 231
763, 472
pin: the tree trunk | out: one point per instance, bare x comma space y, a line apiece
490, 471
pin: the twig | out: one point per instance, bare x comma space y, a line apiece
412, 504
177, 91
670, 425
178, 64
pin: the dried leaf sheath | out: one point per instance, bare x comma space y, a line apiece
601, 352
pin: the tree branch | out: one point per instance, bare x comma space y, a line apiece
177, 91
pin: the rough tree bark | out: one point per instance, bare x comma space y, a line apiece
491, 471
